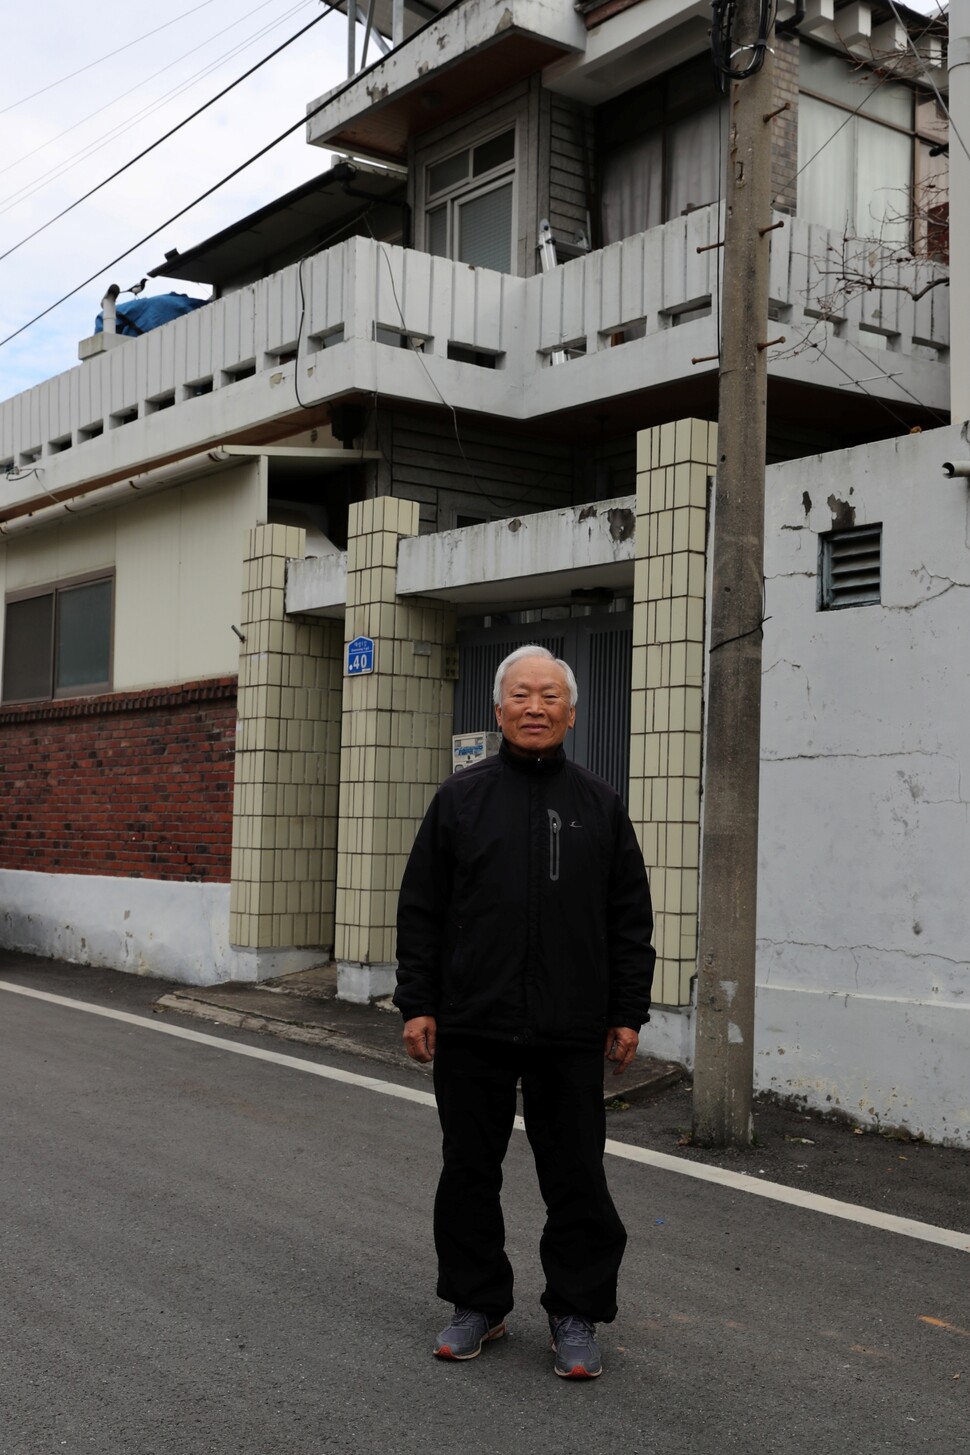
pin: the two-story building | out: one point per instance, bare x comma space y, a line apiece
454, 394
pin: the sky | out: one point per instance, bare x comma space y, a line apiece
63, 133
53, 147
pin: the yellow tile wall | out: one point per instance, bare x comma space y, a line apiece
674, 463
284, 846
397, 724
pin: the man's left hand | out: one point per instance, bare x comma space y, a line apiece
621, 1047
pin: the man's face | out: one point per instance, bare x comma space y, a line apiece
534, 712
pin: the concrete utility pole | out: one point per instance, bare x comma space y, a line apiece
724, 1054
959, 63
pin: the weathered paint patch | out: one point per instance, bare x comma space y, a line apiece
843, 514
623, 523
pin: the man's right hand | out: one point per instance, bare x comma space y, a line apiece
420, 1034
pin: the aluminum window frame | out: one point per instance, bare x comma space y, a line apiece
57, 589
922, 134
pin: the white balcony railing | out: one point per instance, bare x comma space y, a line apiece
403, 325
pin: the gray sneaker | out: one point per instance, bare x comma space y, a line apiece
465, 1335
576, 1349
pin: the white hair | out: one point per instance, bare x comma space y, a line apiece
532, 650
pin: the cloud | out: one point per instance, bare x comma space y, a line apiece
84, 241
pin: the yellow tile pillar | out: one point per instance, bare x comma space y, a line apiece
395, 745
284, 840
674, 464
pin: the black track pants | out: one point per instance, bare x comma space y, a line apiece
583, 1239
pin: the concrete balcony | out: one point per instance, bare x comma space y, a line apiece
532, 558
370, 318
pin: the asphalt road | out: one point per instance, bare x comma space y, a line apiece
205, 1253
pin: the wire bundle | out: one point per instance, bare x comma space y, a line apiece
724, 49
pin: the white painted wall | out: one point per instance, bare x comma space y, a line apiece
167, 929
178, 585
178, 559
863, 914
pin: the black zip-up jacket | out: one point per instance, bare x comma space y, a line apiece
524, 912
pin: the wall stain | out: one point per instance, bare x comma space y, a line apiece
622, 523
843, 514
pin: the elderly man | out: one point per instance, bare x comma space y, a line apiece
524, 952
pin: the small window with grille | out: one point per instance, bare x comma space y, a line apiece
850, 567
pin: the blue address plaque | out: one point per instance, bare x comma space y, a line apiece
360, 656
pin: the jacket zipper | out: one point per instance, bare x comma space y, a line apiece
555, 824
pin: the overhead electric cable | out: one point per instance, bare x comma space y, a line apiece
109, 56
230, 176
181, 212
178, 127
929, 79
122, 126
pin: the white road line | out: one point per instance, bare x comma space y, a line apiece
735, 1181
256, 1053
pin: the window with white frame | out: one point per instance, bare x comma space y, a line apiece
869, 155
57, 640
469, 198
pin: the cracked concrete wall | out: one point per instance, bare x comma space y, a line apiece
863, 914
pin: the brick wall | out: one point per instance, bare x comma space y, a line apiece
134, 784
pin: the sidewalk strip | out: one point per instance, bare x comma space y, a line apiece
662, 1161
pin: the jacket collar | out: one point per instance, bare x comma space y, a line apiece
553, 763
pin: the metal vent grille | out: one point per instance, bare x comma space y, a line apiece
850, 567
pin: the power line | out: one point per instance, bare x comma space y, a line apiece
297, 125
90, 147
115, 51
230, 176
178, 127
930, 81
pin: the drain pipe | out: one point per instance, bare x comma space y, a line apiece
26, 518
109, 316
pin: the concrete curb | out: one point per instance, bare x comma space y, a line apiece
303, 1008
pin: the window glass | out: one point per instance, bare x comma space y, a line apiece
931, 119
856, 174
437, 239
830, 75
632, 188
447, 173
660, 154
485, 229
932, 209
826, 178
883, 182
83, 636
27, 648
468, 219
493, 153
694, 161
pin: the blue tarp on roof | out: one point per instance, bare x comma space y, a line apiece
140, 315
